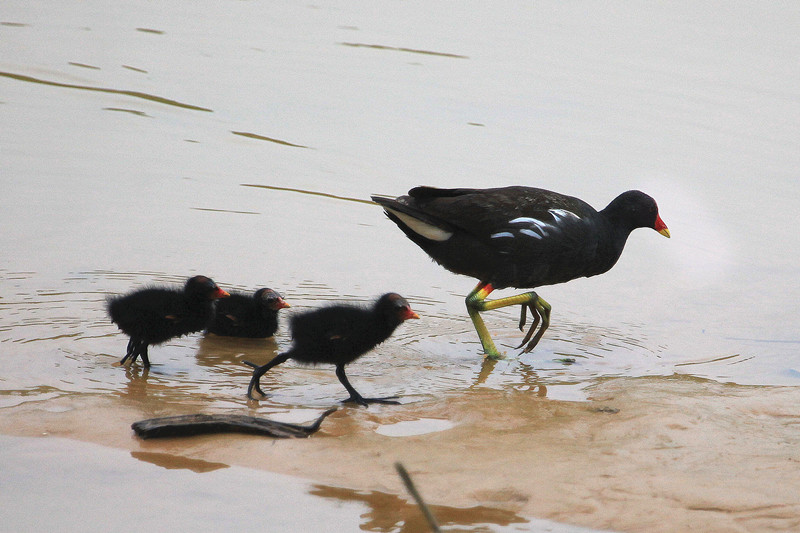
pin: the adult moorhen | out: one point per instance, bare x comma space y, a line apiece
339, 334
155, 315
244, 315
520, 237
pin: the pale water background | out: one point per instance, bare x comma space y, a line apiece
143, 143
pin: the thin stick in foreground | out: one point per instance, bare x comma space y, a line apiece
404, 475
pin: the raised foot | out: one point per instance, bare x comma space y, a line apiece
540, 311
522, 319
360, 400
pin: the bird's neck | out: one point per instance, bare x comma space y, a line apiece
615, 234
198, 302
619, 226
382, 327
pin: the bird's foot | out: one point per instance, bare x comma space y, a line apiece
360, 400
539, 308
522, 319
255, 386
129, 359
254, 381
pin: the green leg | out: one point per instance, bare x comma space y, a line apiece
476, 302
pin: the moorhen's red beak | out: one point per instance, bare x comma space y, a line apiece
408, 313
661, 227
219, 293
281, 304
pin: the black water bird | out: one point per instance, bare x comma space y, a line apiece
339, 334
520, 237
157, 314
248, 315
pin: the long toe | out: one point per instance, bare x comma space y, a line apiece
528, 335
257, 373
360, 400
250, 388
523, 317
356, 399
389, 400
531, 345
542, 309
254, 384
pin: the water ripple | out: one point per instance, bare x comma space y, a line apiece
403, 49
63, 339
134, 94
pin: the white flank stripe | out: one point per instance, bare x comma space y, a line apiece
530, 233
559, 214
541, 226
524, 220
537, 225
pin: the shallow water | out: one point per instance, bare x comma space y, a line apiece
169, 494
242, 140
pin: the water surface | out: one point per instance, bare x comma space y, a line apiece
242, 141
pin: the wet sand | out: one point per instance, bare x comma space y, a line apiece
643, 454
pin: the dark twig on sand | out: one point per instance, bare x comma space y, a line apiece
189, 425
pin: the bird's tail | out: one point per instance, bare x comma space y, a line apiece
415, 222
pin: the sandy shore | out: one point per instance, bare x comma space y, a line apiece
644, 454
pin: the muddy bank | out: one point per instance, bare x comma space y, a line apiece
644, 454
